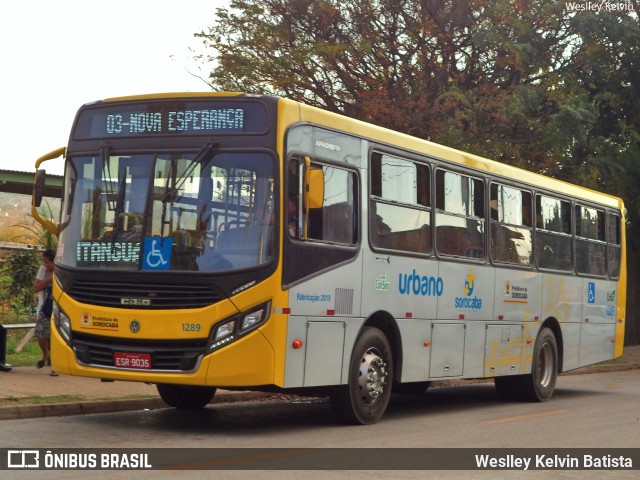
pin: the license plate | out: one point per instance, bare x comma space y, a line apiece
140, 361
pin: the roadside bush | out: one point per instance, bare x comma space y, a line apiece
17, 274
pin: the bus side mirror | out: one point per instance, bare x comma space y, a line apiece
38, 188
313, 186
39, 185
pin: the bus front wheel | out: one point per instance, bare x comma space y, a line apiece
366, 396
185, 397
538, 386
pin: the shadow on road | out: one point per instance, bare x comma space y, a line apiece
248, 419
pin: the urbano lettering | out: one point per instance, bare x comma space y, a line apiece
416, 284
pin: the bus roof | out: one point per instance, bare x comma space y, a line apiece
307, 113
383, 135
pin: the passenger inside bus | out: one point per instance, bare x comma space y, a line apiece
292, 216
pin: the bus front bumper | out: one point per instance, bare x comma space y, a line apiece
247, 362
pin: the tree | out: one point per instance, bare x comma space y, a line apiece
610, 60
531, 83
494, 77
22, 268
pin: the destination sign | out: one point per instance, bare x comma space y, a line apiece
171, 118
179, 121
107, 252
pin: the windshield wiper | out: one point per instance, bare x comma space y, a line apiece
204, 155
119, 207
116, 204
106, 176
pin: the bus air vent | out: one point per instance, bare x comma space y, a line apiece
344, 301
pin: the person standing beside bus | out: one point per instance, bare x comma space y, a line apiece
43, 286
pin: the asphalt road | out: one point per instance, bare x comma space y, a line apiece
599, 410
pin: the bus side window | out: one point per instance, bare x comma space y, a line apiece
511, 232
399, 204
591, 249
614, 250
336, 220
460, 222
553, 239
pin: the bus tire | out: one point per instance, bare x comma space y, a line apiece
185, 397
538, 386
364, 399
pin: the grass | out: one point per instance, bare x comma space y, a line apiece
614, 361
39, 400
29, 355
55, 399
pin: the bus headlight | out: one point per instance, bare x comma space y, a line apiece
225, 331
255, 318
229, 330
62, 323
222, 334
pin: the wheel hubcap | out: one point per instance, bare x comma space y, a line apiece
372, 377
545, 365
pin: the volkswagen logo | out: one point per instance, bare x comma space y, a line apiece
134, 326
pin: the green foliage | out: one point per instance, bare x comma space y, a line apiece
530, 83
498, 78
28, 356
5, 296
17, 275
34, 233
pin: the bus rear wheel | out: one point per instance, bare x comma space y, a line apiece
185, 397
364, 399
539, 385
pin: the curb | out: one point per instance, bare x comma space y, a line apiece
110, 406
604, 368
124, 405
578, 371
78, 408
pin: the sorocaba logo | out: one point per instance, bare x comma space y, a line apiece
468, 284
468, 302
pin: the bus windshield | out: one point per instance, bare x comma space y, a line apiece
206, 211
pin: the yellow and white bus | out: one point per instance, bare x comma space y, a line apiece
228, 240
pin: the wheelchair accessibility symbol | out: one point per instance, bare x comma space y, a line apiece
157, 253
591, 292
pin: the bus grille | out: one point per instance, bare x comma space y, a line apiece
167, 355
143, 295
